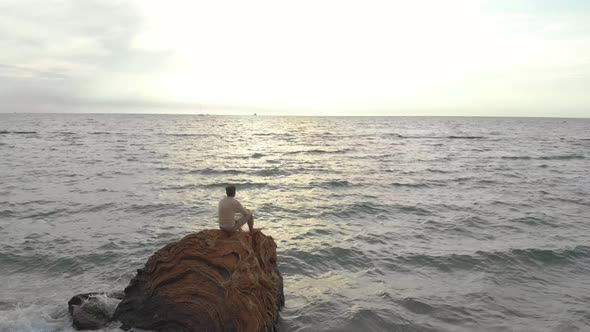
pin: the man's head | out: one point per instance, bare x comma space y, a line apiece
230, 191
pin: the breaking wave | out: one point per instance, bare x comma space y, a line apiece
561, 157
492, 261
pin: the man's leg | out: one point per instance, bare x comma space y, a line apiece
240, 222
251, 225
249, 218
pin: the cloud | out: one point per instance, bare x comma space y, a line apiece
327, 57
57, 52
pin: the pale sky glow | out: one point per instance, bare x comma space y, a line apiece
457, 57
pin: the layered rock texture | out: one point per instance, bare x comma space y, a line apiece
207, 281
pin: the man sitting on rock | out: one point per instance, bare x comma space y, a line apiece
228, 207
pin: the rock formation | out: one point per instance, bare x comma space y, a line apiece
207, 281
92, 311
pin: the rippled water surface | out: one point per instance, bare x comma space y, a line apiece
382, 224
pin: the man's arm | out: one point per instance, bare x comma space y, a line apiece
241, 209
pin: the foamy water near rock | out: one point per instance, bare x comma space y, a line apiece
92, 311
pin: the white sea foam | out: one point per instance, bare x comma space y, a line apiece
36, 318
46, 318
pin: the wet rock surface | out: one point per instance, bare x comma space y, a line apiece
207, 281
91, 311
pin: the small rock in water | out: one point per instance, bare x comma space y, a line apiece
90, 312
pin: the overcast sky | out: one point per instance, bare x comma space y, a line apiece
321, 57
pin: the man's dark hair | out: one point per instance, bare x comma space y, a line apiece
230, 191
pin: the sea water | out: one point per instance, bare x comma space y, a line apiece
382, 223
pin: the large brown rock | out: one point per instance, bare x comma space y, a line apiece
207, 281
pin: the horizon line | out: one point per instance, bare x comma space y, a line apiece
299, 115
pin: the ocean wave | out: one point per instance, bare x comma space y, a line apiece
412, 210
533, 221
574, 201
123, 173
37, 201
181, 187
18, 132
164, 168
150, 208
379, 320
488, 261
267, 172
487, 181
241, 185
394, 135
56, 265
417, 184
324, 260
7, 214
189, 135
472, 222
42, 215
416, 306
355, 210
19, 317
271, 172
257, 155
408, 184
331, 184
316, 232
517, 157
437, 170
19, 263
211, 171
443, 137
561, 157
279, 210
319, 151
444, 312
98, 207
466, 137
